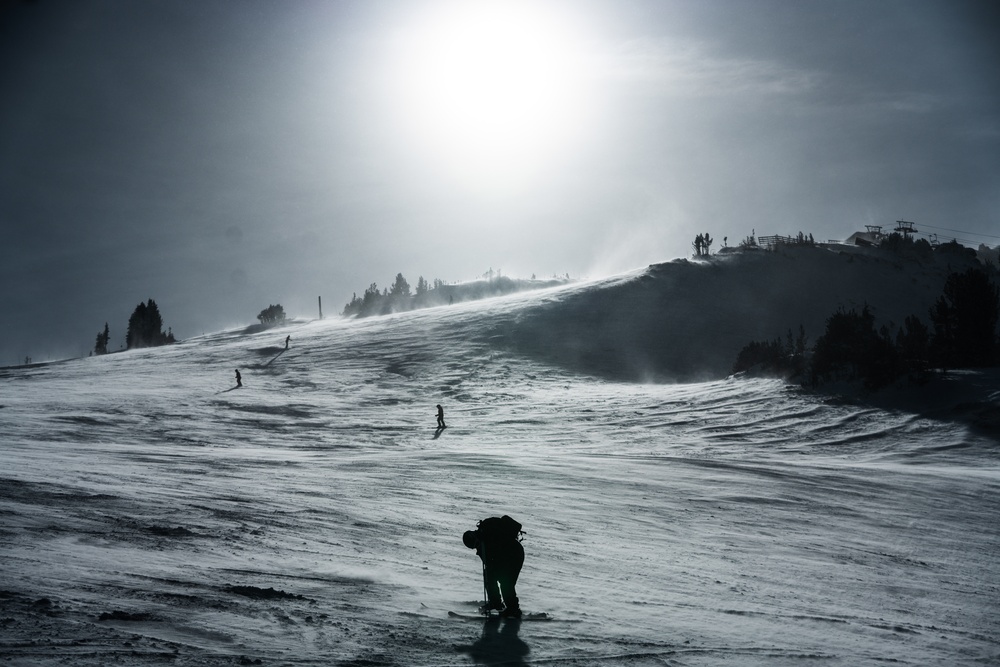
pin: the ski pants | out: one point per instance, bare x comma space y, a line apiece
502, 568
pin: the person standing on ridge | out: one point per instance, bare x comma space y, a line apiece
239, 378
497, 541
287, 339
441, 423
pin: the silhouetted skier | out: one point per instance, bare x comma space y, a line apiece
287, 338
497, 542
441, 423
239, 378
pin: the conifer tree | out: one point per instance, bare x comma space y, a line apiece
400, 288
145, 327
273, 314
101, 346
965, 320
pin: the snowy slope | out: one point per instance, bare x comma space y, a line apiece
687, 320
151, 514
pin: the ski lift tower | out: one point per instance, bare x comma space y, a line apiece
905, 228
875, 231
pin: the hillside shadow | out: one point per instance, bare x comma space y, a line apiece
967, 397
499, 644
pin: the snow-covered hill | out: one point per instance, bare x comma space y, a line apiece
153, 514
687, 320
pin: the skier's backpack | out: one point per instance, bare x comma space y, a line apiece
504, 528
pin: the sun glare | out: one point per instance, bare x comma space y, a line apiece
492, 89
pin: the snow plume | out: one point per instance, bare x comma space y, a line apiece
655, 226
626, 247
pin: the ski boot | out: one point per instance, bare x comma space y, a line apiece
511, 612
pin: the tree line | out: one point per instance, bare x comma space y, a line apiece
962, 334
399, 297
389, 300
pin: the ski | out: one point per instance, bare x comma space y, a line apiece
538, 616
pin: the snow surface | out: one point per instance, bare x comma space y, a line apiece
152, 514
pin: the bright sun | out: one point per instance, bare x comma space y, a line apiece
492, 89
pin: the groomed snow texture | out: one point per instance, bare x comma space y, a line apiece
151, 514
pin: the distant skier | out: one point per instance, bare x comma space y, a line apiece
441, 423
239, 378
497, 542
287, 339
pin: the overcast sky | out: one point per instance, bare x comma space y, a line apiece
222, 156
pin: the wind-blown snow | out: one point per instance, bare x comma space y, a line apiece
151, 514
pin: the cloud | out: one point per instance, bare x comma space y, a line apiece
689, 69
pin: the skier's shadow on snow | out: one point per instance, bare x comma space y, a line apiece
499, 644
438, 432
275, 357
226, 391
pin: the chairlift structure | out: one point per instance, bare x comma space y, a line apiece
905, 228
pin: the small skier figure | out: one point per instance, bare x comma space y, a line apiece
287, 338
497, 542
441, 423
239, 378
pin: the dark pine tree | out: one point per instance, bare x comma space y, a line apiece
965, 321
912, 343
101, 346
273, 314
400, 288
852, 349
145, 327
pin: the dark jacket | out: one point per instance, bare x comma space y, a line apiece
498, 543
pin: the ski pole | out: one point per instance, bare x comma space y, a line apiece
486, 600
